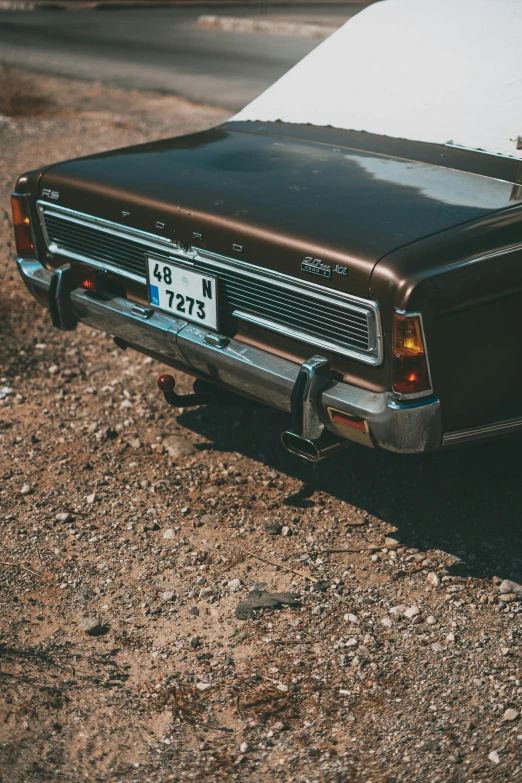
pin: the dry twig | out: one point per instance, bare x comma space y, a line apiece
280, 565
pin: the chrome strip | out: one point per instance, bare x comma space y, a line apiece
365, 307
303, 337
483, 432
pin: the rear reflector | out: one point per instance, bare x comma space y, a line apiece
347, 420
23, 231
87, 277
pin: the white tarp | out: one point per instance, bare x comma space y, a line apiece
440, 71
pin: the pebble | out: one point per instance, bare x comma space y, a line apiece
286, 531
194, 611
92, 626
168, 595
356, 521
509, 598
91, 498
433, 579
510, 714
317, 610
436, 647
135, 443
273, 529
195, 642
26, 489
282, 687
203, 686
507, 586
177, 446
391, 542
63, 517
431, 620
411, 611
450, 637
351, 618
386, 622
169, 534
206, 592
398, 611
243, 747
494, 757
234, 584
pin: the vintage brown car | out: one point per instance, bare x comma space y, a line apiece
347, 249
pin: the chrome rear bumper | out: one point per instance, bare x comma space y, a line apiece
408, 429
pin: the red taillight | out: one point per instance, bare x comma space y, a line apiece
411, 374
23, 231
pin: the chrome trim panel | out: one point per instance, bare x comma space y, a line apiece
484, 432
360, 320
408, 428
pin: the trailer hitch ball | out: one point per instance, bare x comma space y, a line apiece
166, 383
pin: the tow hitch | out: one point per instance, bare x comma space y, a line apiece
308, 437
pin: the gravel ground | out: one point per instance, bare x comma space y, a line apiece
131, 533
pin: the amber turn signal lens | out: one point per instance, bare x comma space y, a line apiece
22, 226
410, 365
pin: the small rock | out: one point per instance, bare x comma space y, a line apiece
431, 620
177, 446
391, 543
436, 647
398, 611
509, 598
433, 579
417, 619
510, 714
135, 443
494, 757
169, 534
206, 592
194, 611
168, 595
450, 637
273, 529
234, 584
53, 369
507, 586
386, 622
92, 626
26, 489
63, 517
203, 686
195, 642
411, 611
356, 521
91, 498
374, 558
317, 610
243, 747
286, 531
282, 687
351, 618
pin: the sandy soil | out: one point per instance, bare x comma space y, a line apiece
402, 661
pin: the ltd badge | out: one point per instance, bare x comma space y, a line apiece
316, 267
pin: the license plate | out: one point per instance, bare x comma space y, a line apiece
183, 292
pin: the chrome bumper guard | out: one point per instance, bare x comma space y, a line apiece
408, 429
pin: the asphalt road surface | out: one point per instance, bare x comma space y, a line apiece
158, 48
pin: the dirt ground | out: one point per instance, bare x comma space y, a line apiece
148, 527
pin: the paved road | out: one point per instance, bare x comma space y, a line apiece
158, 48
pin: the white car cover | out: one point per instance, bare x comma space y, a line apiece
440, 71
